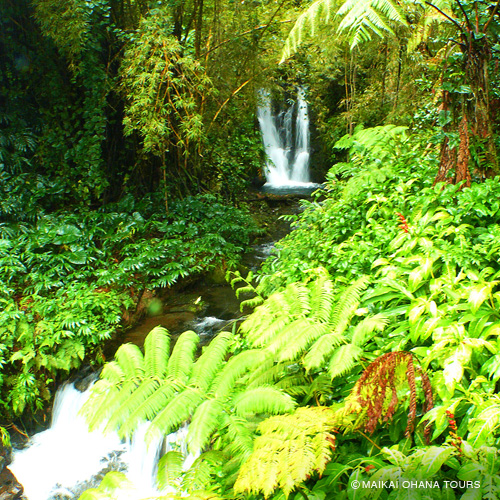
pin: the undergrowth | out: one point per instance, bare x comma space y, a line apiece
66, 280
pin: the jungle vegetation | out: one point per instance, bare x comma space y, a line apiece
370, 347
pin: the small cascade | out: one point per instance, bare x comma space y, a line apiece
66, 454
286, 143
66, 459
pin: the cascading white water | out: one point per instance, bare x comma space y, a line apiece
65, 457
59, 458
287, 149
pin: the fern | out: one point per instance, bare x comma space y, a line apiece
307, 322
136, 388
156, 348
288, 451
358, 19
180, 363
265, 400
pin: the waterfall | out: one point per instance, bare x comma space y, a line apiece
286, 146
66, 459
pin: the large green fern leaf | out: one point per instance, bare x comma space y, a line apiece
156, 352
181, 360
211, 361
267, 400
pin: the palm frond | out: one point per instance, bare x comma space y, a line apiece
156, 352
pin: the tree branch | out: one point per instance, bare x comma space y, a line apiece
495, 10
447, 17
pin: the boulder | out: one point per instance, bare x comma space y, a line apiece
10, 488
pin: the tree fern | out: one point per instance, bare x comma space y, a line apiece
136, 388
310, 323
289, 450
358, 19
362, 18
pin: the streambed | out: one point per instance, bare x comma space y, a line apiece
64, 460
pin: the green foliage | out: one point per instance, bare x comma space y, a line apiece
67, 280
163, 89
176, 389
288, 451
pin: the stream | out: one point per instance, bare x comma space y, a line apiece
66, 459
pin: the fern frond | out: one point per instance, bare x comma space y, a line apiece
266, 373
321, 350
322, 299
180, 363
361, 18
367, 326
266, 400
205, 421
344, 359
298, 295
150, 407
113, 373
318, 11
131, 361
128, 405
200, 475
95, 411
169, 469
210, 362
297, 337
177, 411
240, 437
100, 408
235, 368
156, 352
348, 303
290, 449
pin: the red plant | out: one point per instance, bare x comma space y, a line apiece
404, 222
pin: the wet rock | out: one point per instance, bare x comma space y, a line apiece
84, 378
5, 456
10, 488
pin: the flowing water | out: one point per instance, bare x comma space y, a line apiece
66, 459
286, 142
